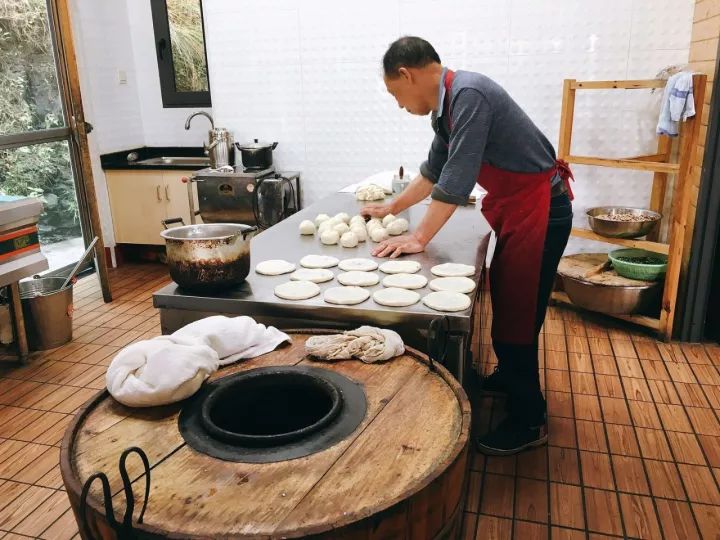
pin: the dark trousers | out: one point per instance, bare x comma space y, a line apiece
518, 364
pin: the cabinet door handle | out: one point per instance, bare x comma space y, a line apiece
166, 194
157, 192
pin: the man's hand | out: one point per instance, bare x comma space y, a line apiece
394, 247
377, 210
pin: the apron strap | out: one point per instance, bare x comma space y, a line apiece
563, 167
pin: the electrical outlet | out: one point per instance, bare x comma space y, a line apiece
122, 76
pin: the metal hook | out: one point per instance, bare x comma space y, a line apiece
124, 529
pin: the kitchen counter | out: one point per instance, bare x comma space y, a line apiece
118, 160
463, 240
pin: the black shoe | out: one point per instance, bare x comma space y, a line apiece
511, 438
495, 384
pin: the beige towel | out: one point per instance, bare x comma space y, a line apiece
367, 343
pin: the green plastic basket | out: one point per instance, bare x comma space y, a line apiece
640, 271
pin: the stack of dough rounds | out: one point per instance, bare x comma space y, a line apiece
405, 281
297, 290
454, 284
395, 297
318, 261
274, 267
453, 270
447, 301
361, 265
346, 296
358, 279
369, 192
316, 275
400, 267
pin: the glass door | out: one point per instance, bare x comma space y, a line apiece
37, 154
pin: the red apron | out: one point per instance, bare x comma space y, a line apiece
517, 206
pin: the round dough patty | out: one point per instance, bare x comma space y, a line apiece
359, 264
346, 296
274, 267
358, 279
405, 281
297, 290
453, 270
454, 284
400, 267
318, 261
447, 301
316, 275
395, 297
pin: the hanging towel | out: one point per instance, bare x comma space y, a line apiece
234, 338
171, 368
678, 103
367, 343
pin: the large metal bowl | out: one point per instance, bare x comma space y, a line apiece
614, 299
622, 229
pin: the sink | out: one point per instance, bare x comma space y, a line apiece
193, 161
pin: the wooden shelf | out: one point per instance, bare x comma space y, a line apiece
655, 247
661, 165
625, 163
642, 320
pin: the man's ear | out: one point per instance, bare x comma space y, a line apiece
406, 74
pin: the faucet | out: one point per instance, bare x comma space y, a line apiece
193, 115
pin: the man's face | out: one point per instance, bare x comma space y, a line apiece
407, 92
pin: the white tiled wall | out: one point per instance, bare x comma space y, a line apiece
308, 74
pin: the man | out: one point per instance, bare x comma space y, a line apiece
483, 136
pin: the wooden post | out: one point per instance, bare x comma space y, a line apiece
20, 332
68, 64
689, 132
659, 188
566, 118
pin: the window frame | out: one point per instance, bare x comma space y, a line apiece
171, 97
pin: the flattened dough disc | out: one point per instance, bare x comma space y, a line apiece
453, 270
447, 301
346, 296
318, 261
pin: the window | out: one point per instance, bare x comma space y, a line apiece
180, 48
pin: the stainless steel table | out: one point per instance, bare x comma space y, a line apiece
464, 239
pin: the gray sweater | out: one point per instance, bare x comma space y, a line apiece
487, 127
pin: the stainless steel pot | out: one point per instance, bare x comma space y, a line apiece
257, 155
208, 256
221, 149
615, 299
622, 229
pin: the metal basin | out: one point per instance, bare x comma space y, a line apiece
191, 161
614, 299
622, 229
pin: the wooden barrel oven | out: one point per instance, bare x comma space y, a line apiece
399, 473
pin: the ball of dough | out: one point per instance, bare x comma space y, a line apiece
320, 218
330, 237
378, 234
357, 219
387, 220
343, 216
334, 220
374, 221
324, 226
349, 240
341, 228
397, 227
360, 231
307, 227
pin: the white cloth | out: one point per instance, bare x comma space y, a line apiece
367, 343
159, 371
678, 103
171, 368
234, 338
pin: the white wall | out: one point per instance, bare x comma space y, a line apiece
113, 36
312, 79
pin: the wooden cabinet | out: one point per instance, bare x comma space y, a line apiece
140, 200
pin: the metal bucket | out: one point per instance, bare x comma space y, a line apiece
48, 312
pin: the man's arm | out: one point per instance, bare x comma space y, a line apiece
416, 191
